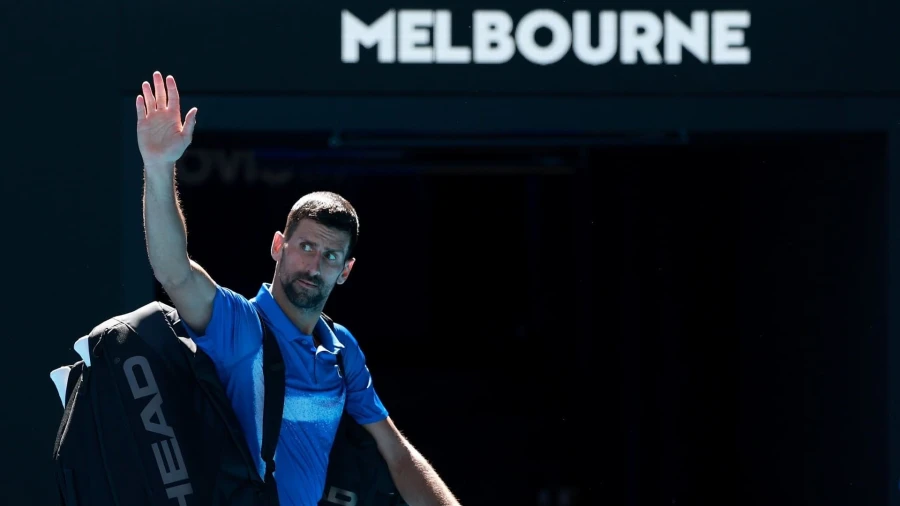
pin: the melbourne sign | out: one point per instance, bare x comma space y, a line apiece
511, 48
593, 38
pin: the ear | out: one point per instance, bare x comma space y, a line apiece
348, 266
277, 246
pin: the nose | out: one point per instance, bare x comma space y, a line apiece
312, 266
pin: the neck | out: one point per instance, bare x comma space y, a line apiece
304, 319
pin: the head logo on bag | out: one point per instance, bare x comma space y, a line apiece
170, 462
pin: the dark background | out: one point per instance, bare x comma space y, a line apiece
698, 316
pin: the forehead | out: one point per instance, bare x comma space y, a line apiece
313, 231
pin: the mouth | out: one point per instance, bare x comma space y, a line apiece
308, 284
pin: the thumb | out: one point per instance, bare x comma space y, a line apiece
190, 121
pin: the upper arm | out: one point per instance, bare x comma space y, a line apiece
193, 298
363, 403
222, 323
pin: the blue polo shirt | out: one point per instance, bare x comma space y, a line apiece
315, 394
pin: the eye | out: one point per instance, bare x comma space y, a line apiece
331, 256
306, 246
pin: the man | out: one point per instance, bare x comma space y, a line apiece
312, 255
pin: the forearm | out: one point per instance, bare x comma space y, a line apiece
418, 482
164, 228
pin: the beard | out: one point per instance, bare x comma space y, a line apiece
303, 296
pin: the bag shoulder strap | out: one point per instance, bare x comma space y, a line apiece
339, 356
273, 398
329, 321
273, 403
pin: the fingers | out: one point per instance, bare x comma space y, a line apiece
160, 88
141, 108
172, 91
165, 96
190, 121
149, 99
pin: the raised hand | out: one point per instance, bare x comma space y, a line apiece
162, 137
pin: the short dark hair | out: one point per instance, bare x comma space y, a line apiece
326, 208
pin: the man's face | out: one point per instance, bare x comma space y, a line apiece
311, 262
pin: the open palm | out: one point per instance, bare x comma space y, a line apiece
162, 137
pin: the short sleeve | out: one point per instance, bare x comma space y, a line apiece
234, 330
363, 403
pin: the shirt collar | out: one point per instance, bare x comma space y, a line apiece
279, 321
